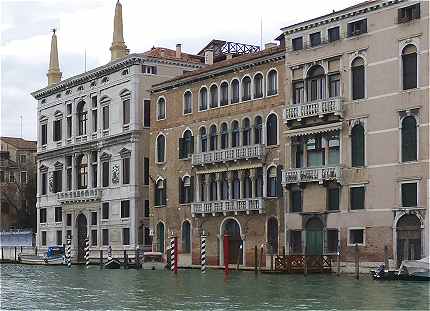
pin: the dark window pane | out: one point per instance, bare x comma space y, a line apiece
357, 197
125, 209
297, 43
409, 71
126, 170
295, 242
409, 139
315, 38
146, 113
332, 240
125, 236
356, 236
105, 236
357, 146
358, 82
296, 201
105, 210
409, 195
93, 237
333, 34
333, 199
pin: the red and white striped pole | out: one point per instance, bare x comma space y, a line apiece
173, 253
203, 252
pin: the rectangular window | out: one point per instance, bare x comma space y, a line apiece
57, 181
357, 195
69, 126
105, 210
358, 82
94, 112
44, 134
409, 194
295, 242
125, 209
93, 237
333, 34
126, 171
315, 38
42, 215
105, 236
357, 28
43, 238
125, 236
146, 171
68, 234
23, 179
68, 220
58, 214
333, 195
105, 174
59, 237
297, 43
409, 13
332, 240
296, 201
334, 85
57, 130
150, 70
93, 218
11, 177
22, 158
146, 113
333, 149
2, 176
106, 117
126, 111
298, 92
356, 236
44, 178
147, 239
315, 152
69, 172
146, 209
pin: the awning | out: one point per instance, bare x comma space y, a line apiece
219, 168
326, 128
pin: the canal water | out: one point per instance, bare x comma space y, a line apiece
54, 288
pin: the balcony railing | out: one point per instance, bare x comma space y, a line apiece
230, 154
81, 195
312, 109
240, 205
318, 174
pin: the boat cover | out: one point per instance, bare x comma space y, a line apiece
414, 266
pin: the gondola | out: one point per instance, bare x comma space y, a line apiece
410, 270
112, 263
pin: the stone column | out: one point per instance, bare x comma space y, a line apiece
197, 188
252, 175
264, 182
207, 186
64, 178
241, 183
74, 173
230, 184
90, 171
218, 186
99, 170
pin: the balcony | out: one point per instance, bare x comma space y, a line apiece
230, 154
318, 174
81, 195
241, 205
314, 109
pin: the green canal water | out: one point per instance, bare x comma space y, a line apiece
55, 288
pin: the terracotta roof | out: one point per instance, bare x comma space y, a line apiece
224, 63
171, 54
19, 143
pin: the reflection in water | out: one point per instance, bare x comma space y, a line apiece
31, 287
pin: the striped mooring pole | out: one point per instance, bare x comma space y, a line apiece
87, 252
173, 254
69, 251
203, 252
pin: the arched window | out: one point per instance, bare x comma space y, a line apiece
160, 193
186, 186
224, 94
186, 145
186, 237
271, 181
235, 132
258, 129
272, 235
161, 148
213, 195
247, 185
409, 67
258, 85
224, 136
236, 186
272, 83
272, 130
246, 134
188, 104
203, 140
82, 119
224, 186
315, 83
357, 146
161, 109
213, 139
259, 182
214, 96
246, 88
234, 91
82, 172
409, 139
358, 83
203, 97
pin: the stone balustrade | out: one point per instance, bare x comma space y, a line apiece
311, 109
230, 154
237, 205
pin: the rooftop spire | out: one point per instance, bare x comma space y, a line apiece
54, 73
118, 48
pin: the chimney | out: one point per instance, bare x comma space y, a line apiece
270, 45
209, 57
178, 50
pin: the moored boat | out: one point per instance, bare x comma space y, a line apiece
112, 263
54, 256
410, 270
153, 261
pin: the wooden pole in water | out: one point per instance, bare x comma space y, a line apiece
35, 250
386, 262
338, 258
261, 256
357, 262
21, 249
238, 257
2, 255
256, 259
101, 258
305, 265
15, 253
125, 260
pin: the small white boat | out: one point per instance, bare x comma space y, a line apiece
153, 261
54, 256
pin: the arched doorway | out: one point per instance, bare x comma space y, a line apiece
235, 251
408, 238
160, 237
272, 235
314, 237
81, 222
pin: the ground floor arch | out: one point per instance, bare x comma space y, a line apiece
231, 227
314, 236
408, 238
81, 223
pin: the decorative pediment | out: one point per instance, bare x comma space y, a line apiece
104, 99
43, 168
125, 153
58, 165
124, 93
58, 114
105, 156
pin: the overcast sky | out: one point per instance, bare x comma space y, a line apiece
87, 25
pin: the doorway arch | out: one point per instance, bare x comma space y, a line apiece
235, 250
81, 222
408, 238
314, 236
160, 237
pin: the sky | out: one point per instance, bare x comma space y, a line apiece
85, 27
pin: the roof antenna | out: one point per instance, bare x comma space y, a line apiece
85, 60
261, 33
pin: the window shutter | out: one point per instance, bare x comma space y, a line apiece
416, 11
164, 198
279, 188
181, 190
181, 148
191, 189
192, 145
349, 29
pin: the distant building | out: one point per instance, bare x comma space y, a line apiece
17, 177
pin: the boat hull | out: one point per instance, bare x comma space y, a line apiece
153, 266
112, 264
395, 276
41, 260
